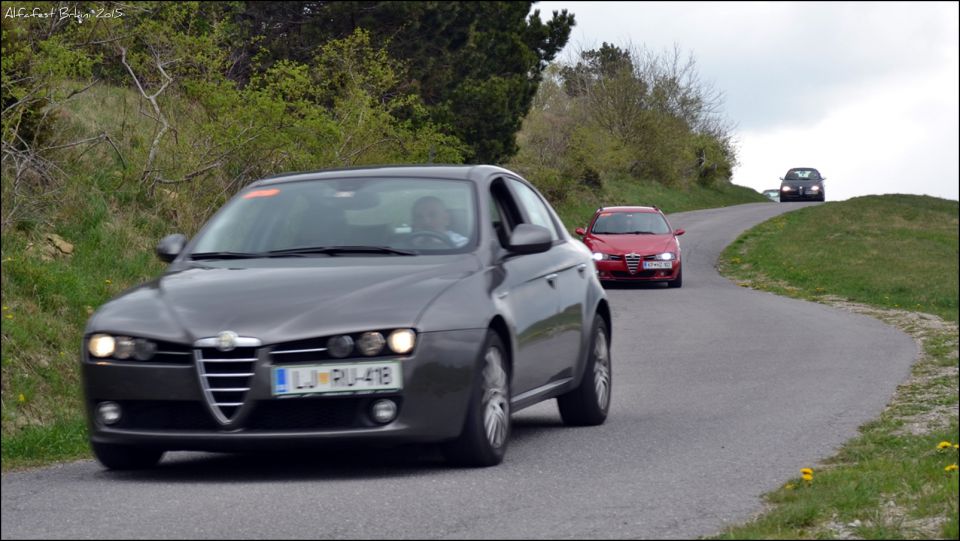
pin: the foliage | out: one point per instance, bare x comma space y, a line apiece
614, 112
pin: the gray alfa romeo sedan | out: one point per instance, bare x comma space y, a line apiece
373, 305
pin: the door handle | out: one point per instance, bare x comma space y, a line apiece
552, 279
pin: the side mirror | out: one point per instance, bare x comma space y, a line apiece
170, 247
823, 178
580, 231
679, 232
781, 178
530, 239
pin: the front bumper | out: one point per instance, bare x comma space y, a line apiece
619, 271
164, 405
804, 195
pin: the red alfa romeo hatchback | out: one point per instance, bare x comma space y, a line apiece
634, 244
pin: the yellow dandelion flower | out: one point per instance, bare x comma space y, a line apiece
5, 308
788, 486
807, 477
806, 471
9, 316
951, 467
108, 281
956, 446
944, 445
21, 398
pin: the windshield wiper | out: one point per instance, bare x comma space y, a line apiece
224, 255
642, 233
334, 250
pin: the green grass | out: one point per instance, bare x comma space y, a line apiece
894, 251
896, 257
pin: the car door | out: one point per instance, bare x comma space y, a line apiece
530, 294
572, 268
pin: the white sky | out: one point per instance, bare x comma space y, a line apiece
866, 92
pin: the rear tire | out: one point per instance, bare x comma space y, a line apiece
589, 403
126, 457
486, 429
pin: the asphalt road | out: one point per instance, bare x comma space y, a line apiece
720, 394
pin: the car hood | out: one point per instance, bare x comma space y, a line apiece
626, 244
278, 301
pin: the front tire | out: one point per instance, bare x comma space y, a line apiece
589, 403
126, 457
678, 281
486, 429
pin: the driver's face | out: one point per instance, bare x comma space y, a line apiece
432, 216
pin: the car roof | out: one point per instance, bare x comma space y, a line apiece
464, 172
802, 169
628, 209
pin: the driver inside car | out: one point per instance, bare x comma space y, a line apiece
430, 214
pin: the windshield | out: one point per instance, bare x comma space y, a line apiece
367, 216
623, 223
802, 174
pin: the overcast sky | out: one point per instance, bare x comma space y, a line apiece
865, 92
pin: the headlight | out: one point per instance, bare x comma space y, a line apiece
340, 346
667, 256
785, 188
143, 349
101, 345
597, 256
402, 341
124, 347
370, 343
814, 188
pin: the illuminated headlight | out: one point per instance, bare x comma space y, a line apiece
815, 188
667, 256
101, 345
597, 256
340, 346
402, 341
785, 188
371, 343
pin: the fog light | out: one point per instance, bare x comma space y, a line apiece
108, 413
384, 411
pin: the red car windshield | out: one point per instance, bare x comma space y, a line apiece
624, 223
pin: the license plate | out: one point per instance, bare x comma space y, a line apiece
658, 264
337, 378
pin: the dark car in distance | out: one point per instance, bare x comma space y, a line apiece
371, 305
802, 184
634, 244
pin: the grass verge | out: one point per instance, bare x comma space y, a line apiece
894, 480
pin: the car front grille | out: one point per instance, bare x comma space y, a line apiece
633, 261
225, 377
310, 350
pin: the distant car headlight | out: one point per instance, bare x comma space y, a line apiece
667, 256
101, 345
815, 188
402, 341
371, 343
785, 188
598, 256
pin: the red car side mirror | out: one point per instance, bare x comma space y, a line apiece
580, 231
678, 232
